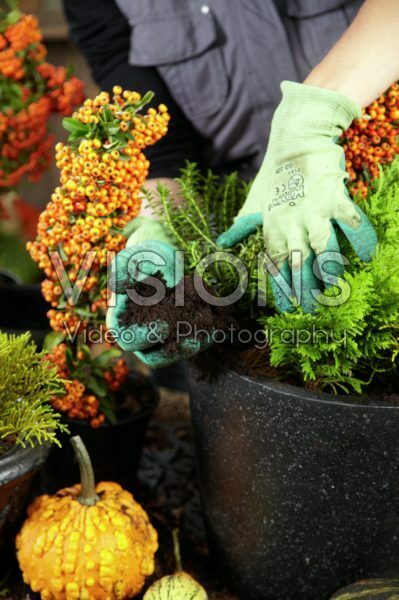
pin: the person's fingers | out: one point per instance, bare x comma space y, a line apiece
281, 284
153, 257
276, 244
240, 230
301, 259
305, 283
276, 264
133, 337
163, 356
357, 228
137, 263
118, 280
330, 262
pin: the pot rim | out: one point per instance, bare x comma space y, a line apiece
18, 461
143, 414
297, 392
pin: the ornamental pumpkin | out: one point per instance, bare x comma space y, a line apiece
86, 542
180, 586
372, 589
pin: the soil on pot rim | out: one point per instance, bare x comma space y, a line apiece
196, 313
249, 361
6, 444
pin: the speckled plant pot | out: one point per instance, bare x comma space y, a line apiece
300, 490
17, 468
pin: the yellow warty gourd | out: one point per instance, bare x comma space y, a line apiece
86, 542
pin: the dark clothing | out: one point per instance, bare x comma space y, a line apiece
217, 64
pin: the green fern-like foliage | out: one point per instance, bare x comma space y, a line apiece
207, 208
346, 347
27, 383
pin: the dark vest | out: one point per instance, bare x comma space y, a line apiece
223, 61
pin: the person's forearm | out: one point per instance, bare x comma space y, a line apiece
365, 61
151, 185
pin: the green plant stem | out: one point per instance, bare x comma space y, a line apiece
13, 5
87, 496
176, 550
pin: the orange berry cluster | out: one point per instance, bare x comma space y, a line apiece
20, 43
31, 91
102, 171
80, 402
372, 141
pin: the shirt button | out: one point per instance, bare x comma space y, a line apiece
205, 9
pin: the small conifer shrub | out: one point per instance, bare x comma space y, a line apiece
27, 383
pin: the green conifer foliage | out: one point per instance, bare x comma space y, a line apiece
27, 383
358, 339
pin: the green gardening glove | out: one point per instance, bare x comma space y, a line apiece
299, 196
149, 250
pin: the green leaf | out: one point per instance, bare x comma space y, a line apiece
106, 358
75, 126
53, 339
108, 115
83, 312
107, 409
97, 386
86, 350
113, 129
146, 99
69, 359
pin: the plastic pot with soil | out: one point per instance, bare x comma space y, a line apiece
115, 448
17, 469
300, 489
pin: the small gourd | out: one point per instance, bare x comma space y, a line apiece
180, 586
371, 589
86, 542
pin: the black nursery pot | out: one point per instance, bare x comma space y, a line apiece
300, 490
17, 468
23, 308
115, 450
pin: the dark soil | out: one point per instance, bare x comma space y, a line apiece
6, 444
196, 313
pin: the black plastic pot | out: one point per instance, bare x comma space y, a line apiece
300, 489
23, 308
115, 450
17, 468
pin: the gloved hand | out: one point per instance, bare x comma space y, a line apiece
299, 195
149, 250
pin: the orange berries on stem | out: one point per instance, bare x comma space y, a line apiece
372, 141
31, 90
102, 170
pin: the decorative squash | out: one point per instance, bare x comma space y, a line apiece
180, 586
371, 589
86, 542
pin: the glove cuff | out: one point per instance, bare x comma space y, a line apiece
316, 109
142, 229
